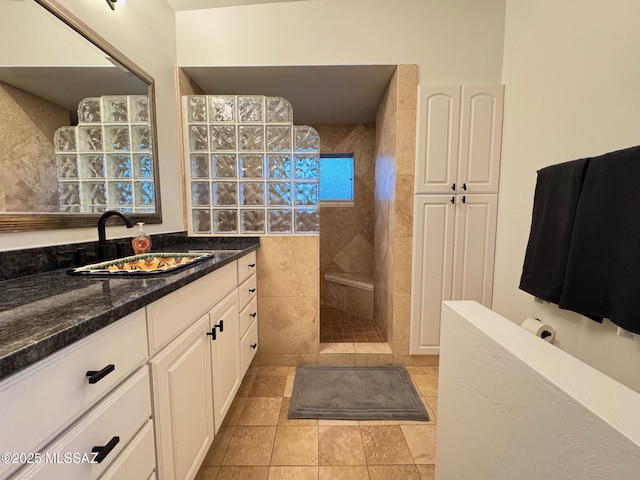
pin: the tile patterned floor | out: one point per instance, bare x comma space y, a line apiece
258, 442
337, 326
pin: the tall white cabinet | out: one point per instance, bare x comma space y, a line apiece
459, 135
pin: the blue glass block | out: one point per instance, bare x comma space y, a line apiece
119, 166
307, 220
201, 220
117, 138
225, 221
142, 166
279, 221
223, 166
306, 139
120, 193
251, 221
223, 137
306, 193
145, 194
307, 166
279, 166
224, 194
251, 166
252, 193
200, 194
199, 165
336, 178
279, 193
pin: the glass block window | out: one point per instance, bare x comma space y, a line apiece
106, 161
250, 171
336, 179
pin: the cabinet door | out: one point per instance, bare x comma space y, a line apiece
475, 242
480, 139
225, 355
432, 269
181, 375
438, 126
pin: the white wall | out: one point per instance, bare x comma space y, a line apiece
512, 406
451, 41
572, 90
144, 30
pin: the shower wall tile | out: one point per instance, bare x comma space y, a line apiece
241, 159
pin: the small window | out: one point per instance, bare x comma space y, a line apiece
336, 180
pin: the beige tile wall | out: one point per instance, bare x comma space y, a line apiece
288, 299
28, 172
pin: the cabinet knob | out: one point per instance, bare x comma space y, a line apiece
252, 290
254, 346
464, 199
253, 315
252, 265
219, 325
453, 187
464, 186
453, 200
212, 333
102, 452
96, 375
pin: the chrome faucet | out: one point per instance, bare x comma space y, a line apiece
103, 249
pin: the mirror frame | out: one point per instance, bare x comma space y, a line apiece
23, 222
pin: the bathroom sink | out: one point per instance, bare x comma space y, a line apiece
150, 263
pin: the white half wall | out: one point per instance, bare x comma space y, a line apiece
571, 80
457, 42
144, 31
512, 406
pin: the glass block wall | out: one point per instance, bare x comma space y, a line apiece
250, 170
106, 161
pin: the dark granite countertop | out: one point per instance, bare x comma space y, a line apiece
45, 312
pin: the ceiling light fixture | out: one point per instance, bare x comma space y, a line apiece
112, 4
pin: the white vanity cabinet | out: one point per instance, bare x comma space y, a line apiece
196, 365
248, 298
82, 397
224, 330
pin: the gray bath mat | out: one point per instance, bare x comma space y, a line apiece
355, 393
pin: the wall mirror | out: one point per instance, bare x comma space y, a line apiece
77, 129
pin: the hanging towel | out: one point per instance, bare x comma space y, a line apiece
603, 266
557, 193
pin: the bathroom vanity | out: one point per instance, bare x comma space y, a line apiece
122, 378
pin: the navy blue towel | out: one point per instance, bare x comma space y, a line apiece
603, 266
557, 193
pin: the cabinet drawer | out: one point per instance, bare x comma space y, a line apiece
246, 266
247, 291
120, 416
137, 460
40, 402
248, 347
174, 313
248, 315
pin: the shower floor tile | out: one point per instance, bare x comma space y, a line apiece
338, 326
